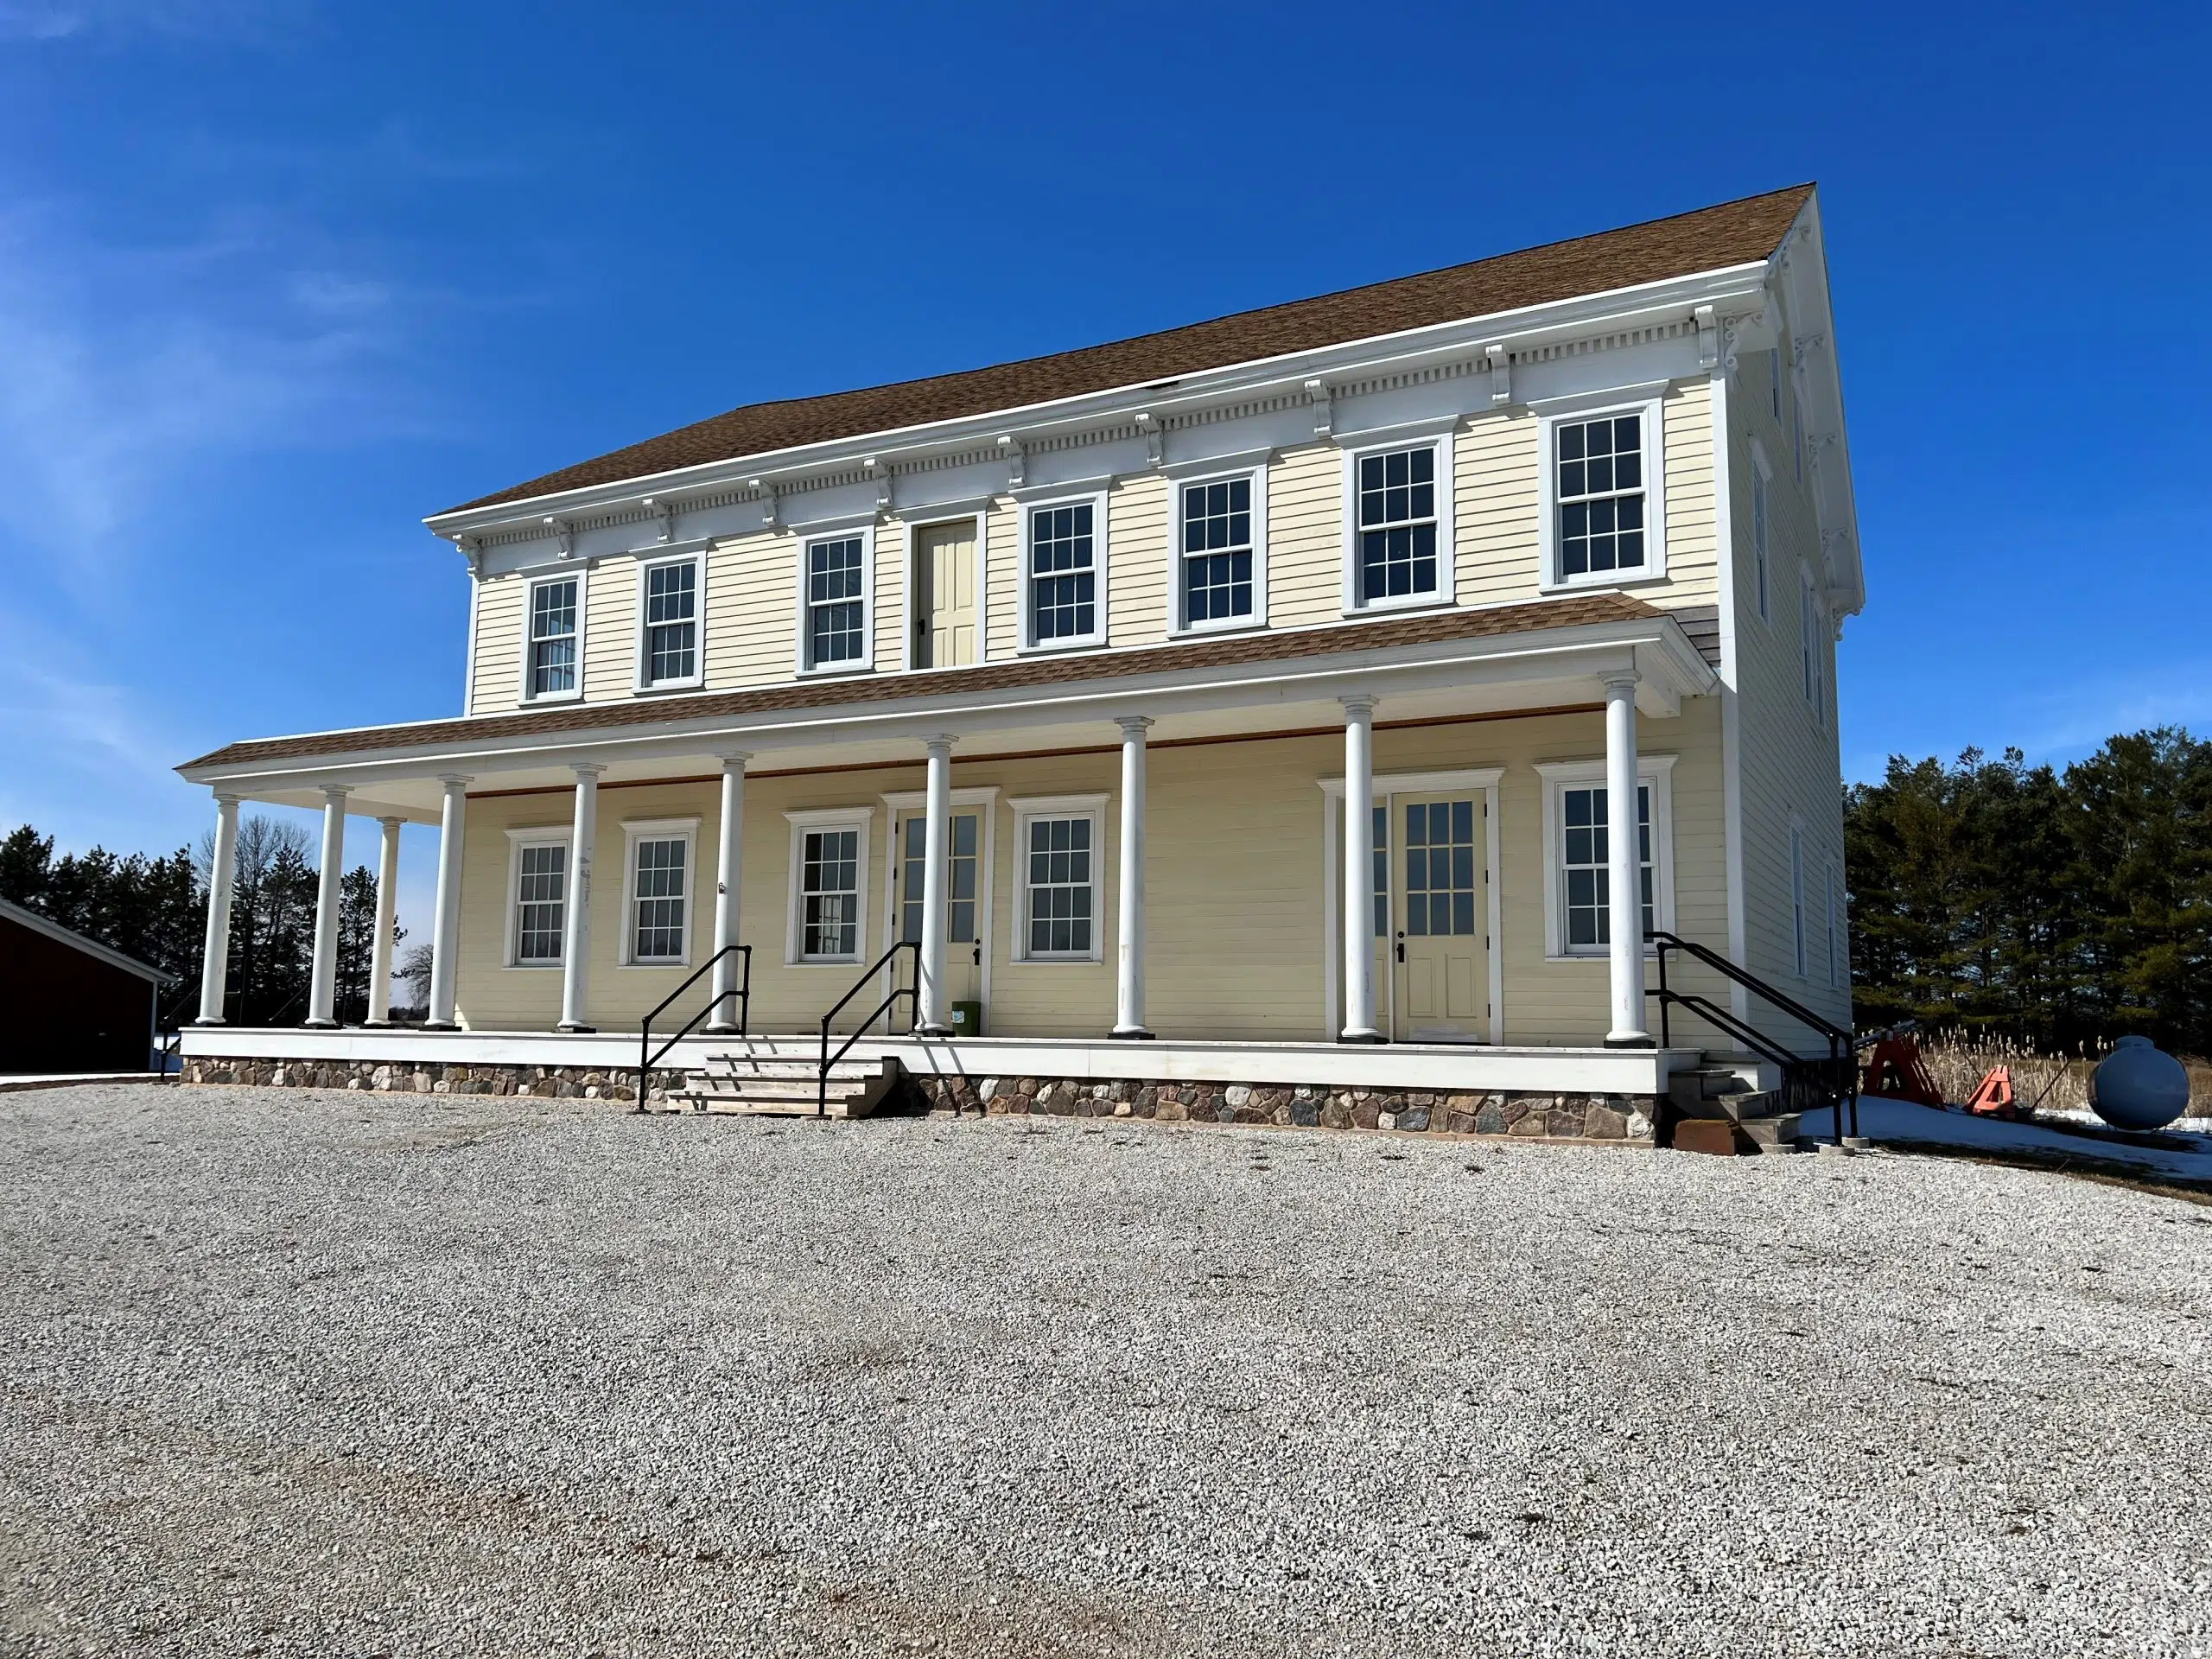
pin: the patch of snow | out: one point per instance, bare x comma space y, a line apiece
2185, 1153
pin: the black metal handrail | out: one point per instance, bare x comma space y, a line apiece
169, 1027
1836, 1078
911, 992
649, 1056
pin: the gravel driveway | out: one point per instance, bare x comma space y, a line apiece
321, 1374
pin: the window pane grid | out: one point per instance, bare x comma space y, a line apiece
1600, 487
552, 638
659, 893
1440, 868
836, 611
541, 884
960, 886
829, 890
1585, 875
671, 622
1397, 523
1216, 551
1059, 885
1062, 573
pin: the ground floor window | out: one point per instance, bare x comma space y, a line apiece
540, 902
1578, 853
1060, 846
828, 885
660, 880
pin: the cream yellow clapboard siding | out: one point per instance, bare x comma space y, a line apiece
611, 631
1136, 560
1306, 536
497, 683
752, 610
1495, 493
1790, 762
1236, 896
1693, 552
1002, 580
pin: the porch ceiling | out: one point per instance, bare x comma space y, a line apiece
1520, 658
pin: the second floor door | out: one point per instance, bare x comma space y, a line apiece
944, 595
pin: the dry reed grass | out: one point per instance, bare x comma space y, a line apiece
2051, 1083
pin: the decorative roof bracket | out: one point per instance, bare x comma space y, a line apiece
879, 470
1501, 372
1708, 337
564, 535
1155, 436
1010, 451
769, 504
1325, 420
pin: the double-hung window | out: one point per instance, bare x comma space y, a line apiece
669, 649
1060, 848
550, 656
1761, 532
1401, 512
1602, 497
1579, 848
1220, 575
657, 910
539, 915
837, 587
1063, 602
828, 885
1810, 625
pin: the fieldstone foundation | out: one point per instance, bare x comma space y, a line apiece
565, 1082
1626, 1119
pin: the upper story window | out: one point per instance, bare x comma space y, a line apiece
669, 647
1221, 574
549, 660
1603, 498
1811, 647
1063, 604
1398, 519
834, 631
1761, 532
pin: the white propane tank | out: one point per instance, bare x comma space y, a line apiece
2138, 1087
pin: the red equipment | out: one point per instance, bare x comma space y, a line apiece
1896, 1071
1993, 1096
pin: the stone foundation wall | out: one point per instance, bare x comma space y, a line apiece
564, 1082
1624, 1118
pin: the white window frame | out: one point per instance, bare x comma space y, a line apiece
537, 580
1656, 773
803, 643
1029, 507
1774, 388
1180, 626
1801, 923
1026, 811
1838, 972
831, 817
544, 835
1762, 531
1573, 413
1441, 438
642, 680
633, 831
1811, 622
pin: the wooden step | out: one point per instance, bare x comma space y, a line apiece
783, 1087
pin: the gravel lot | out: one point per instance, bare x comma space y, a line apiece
297, 1373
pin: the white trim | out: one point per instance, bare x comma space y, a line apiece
642, 685
1032, 503
979, 514
633, 831
1447, 559
825, 817
1027, 809
1179, 625
1653, 411
1255, 460
475, 607
1388, 784
1731, 679
815, 536
1656, 773
531, 584
520, 837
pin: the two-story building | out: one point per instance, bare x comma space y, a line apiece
1335, 694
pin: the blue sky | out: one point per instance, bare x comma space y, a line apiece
276, 279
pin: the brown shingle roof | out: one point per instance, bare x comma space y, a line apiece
1430, 628
1735, 232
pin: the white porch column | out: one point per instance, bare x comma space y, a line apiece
322, 983
1359, 872
575, 942
936, 838
1623, 868
387, 917
222, 877
1129, 1012
730, 868
445, 927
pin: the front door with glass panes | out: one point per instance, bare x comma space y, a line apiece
964, 875
1441, 918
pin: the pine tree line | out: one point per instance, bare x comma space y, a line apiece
2056, 907
156, 909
